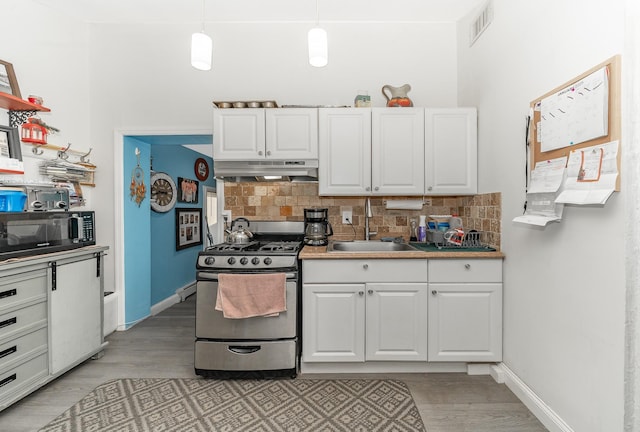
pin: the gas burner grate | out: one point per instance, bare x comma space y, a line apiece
233, 247
283, 246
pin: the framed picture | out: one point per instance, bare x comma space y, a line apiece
188, 227
8, 81
188, 190
201, 169
10, 143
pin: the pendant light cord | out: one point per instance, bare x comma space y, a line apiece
317, 14
203, 16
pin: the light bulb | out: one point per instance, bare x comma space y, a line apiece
318, 47
201, 51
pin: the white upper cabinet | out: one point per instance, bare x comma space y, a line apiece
451, 166
397, 151
371, 151
265, 133
345, 151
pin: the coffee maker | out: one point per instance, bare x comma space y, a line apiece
317, 228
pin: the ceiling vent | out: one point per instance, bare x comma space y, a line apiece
481, 22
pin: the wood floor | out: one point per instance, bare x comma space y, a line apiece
162, 346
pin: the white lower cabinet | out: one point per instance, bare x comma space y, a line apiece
437, 311
76, 310
465, 310
384, 317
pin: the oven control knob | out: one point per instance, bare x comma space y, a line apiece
267, 261
255, 261
209, 260
244, 260
231, 261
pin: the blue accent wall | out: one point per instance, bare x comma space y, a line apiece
137, 235
172, 269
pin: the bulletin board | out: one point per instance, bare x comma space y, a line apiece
583, 112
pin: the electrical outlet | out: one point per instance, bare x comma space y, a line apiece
347, 216
226, 217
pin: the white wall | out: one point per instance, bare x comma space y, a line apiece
52, 64
564, 285
141, 78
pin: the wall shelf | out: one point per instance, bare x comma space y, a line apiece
19, 109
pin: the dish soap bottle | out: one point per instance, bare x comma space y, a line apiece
422, 229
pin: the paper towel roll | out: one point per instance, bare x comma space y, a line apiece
404, 205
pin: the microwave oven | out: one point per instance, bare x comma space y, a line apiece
35, 233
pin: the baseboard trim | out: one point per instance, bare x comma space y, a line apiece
180, 295
547, 416
186, 291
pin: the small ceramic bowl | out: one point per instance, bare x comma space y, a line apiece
268, 104
224, 104
253, 104
239, 105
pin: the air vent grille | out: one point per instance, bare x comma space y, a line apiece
480, 23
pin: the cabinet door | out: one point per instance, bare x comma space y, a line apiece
239, 134
397, 151
396, 323
76, 311
344, 151
292, 133
333, 329
465, 322
451, 151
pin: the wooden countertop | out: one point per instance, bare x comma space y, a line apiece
320, 252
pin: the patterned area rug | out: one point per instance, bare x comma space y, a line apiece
186, 405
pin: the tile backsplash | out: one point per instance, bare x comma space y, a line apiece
287, 201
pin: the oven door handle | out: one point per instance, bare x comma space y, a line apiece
246, 349
214, 276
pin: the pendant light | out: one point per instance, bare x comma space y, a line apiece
201, 48
318, 44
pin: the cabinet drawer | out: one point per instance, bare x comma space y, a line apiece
17, 320
22, 375
21, 346
22, 287
362, 270
465, 270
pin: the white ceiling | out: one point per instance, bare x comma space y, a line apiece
186, 11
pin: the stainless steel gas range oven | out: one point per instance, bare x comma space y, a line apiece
259, 346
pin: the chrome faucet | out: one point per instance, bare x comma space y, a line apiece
368, 214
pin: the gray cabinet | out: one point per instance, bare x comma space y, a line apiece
50, 318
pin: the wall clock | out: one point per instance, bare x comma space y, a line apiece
201, 168
163, 192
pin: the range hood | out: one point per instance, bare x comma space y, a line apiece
266, 170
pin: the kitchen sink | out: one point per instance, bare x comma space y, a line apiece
369, 246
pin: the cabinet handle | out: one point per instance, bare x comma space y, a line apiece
367, 189
8, 379
377, 188
268, 152
365, 266
8, 322
8, 351
259, 152
467, 266
360, 293
8, 293
430, 188
434, 292
370, 291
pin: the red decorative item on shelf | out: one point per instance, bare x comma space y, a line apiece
33, 132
